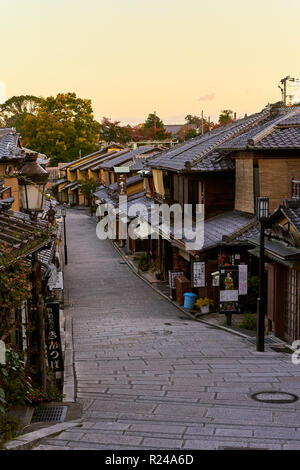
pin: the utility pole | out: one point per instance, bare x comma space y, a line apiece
202, 123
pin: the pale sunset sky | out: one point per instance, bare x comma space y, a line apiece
132, 57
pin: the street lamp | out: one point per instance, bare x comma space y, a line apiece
262, 214
64, 213
32, 181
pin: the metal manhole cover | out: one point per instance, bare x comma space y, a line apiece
274, 396
49, 413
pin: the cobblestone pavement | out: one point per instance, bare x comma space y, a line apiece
149, 378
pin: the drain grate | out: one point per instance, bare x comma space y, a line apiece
268, 340
49, 413
274, 396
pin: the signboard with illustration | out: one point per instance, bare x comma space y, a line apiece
229, 289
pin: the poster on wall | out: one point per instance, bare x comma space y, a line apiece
243, 279
53, 341
172, 276
229, 289
198, 274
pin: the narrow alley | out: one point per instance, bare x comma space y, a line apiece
150, 378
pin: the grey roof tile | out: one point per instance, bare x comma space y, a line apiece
275, 133
118, 160
195, 150
291, 210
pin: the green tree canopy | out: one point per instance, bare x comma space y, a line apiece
63, 128
226, 116
14, 111
153, 121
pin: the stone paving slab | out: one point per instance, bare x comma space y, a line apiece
148, 379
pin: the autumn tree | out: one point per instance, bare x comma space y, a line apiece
111, 131
63, 128
154, 129
14, 111
226, 117
196, 120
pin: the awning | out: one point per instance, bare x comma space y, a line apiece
277, 251
255, 252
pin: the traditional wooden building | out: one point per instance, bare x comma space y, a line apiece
12, 156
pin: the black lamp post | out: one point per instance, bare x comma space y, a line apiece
64, 213
262, 214
32, 181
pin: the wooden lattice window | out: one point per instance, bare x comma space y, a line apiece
292, 328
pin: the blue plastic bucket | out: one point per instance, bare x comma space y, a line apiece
189, 300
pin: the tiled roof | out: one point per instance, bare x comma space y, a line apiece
220, 226
195, 150
9, 144
92, 161
98, 152
214, 162
291, 121
173, 128
118, 160
277, 249
277, 133
20, 233
129, 182
291, 209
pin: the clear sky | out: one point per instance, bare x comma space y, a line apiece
132, 57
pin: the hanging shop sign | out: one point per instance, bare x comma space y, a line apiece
198, 274
243, 279
172, 276
229, 289
53, 341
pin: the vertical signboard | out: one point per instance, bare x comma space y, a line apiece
172, 276
198, 274
229, 289
53, 341
243, 279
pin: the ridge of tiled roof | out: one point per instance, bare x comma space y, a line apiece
129, 182
291, 209
277, 132
197, 149
9, 144
93, 161
119, 159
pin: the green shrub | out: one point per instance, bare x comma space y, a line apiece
143, 262
13, 380
248, 302
249, 322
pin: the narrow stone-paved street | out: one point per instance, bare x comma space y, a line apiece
149, 378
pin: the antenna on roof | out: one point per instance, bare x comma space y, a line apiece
283, 86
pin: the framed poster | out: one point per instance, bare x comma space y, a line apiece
53, 341
198, 274
229, 289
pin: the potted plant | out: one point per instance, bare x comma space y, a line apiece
203, 304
